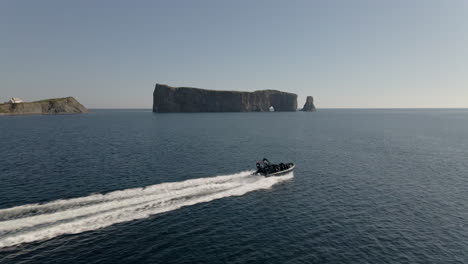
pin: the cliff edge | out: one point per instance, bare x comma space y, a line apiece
186, 99
67, 105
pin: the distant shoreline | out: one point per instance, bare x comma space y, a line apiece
65, 105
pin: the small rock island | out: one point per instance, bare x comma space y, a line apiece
66, 105
309, 105
167, 99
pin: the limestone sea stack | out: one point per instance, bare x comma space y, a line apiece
66, 105
168, 99
309, 105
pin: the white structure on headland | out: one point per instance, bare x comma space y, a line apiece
16, 100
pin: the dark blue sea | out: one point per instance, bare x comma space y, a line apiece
132, 186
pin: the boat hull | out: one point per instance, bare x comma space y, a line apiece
278, 173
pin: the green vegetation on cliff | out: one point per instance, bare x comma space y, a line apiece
52, 100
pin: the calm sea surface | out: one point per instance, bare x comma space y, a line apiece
370, 186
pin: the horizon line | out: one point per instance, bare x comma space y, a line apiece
344, 108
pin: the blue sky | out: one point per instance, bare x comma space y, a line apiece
109, 54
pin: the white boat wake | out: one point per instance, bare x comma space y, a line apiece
34, 222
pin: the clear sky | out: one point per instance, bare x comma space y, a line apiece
348, 53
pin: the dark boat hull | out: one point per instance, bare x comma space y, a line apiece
278, 173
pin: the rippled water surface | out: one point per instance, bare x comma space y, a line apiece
131, 186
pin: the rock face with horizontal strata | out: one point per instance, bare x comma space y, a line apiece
168, 99
67, 105
309, 105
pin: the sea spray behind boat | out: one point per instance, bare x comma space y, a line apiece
33, 222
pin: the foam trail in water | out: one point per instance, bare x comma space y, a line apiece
33, 222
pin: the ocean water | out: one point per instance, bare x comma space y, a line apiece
132, 186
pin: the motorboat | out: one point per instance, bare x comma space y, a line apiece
267, 169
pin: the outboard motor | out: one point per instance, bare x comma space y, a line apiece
260, 167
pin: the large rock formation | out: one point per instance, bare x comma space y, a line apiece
185, 99
309, 105
67, 105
